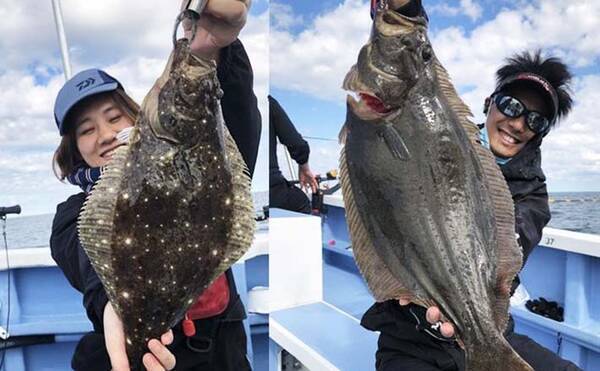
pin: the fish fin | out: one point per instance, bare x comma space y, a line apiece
382, 283
95, 227
497, 355
243, 206
462, 111
395, 142
343, 134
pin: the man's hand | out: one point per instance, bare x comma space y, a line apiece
307, 178
160, 358
219, 25
433, 316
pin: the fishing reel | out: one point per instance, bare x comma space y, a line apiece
317, 205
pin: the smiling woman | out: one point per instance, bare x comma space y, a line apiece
92, 111
101, 113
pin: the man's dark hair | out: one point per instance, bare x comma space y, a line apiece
552, 69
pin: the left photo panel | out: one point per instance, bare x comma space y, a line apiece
134, 185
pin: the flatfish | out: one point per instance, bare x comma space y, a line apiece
174, 209
429, 212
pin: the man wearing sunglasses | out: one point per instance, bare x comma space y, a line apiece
531, 96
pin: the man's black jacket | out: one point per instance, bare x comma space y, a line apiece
243, 120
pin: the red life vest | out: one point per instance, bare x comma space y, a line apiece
213, 301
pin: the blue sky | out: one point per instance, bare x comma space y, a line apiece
471, 38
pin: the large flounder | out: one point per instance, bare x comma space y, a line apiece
174, 209
429, 212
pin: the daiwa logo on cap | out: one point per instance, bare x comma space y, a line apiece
85, 83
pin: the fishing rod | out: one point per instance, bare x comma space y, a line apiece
4, 334
330, 175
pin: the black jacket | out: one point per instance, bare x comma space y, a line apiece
280, 126
243, 120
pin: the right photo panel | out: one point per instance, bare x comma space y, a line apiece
412, 222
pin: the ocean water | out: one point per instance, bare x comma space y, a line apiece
575, 211
34, 231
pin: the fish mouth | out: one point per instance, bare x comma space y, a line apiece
364, 102
367, 106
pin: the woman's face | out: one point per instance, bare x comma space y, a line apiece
97, 123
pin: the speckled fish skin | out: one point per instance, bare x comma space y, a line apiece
429, 212
174, 209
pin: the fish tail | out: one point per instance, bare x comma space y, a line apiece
395, 142
495, 356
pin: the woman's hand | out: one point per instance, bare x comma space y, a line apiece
219, 25
160, 358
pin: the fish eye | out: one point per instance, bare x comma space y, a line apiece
407, 41
427, 53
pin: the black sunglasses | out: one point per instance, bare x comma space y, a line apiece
512, 107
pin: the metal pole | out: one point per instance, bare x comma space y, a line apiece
62, 39
293, 175
289, 161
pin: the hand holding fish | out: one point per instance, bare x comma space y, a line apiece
434, 316
219, 25
160, 358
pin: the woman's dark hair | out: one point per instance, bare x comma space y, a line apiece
67, 157
552, 69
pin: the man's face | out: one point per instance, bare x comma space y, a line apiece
508, 136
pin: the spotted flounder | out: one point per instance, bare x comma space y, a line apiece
429, 212
174, 209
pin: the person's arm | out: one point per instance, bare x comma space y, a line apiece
293, 141
287, 133
73, 261
239, 104
532, 214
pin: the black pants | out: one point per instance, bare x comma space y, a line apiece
402, 355
288, 197
217, 346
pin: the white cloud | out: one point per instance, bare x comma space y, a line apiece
316, 60
466, 7
283, 17
129, 39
